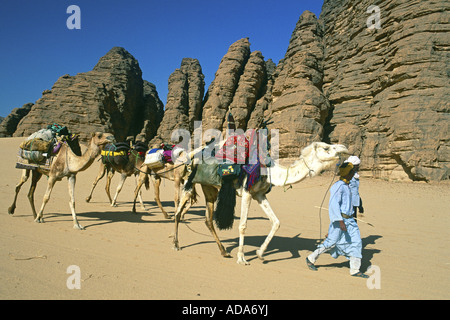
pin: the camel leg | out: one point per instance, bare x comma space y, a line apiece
265, 205
72, 180
245, 206
123, 177
141, 180
35, 177
185, 196
156, 183
211, 196
108, 184
177, 183
23, 178
50, 184
139, 194
100, 175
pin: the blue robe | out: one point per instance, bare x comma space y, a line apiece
354, 188
338, 242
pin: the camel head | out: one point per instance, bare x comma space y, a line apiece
321, 156
101, 139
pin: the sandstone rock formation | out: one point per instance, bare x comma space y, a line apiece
298, 107
389, 87
184, 100
222, 89
109, 98
9, 124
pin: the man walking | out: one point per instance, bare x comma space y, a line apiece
343, 237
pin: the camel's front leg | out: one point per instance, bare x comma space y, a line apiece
72, 180
245, 205
23, 178
100, 175
50, 184
123, 177
265, 205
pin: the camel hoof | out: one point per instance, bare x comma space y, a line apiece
259, 253
88, 199
176, 248
78, 227
39, 220
241, 260
11, 210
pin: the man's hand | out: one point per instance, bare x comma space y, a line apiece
342, 225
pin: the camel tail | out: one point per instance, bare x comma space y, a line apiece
194, 195
147, 182
226, 202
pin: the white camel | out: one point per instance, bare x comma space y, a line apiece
314, 159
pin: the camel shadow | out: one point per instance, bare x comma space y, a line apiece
278, 246
292, 245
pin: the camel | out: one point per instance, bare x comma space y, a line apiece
129, 166
65, 164
314, 159
176, 172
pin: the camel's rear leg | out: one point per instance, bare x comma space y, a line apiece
139, 194
108, 185
100, 175
185, 197
23, 178
141, 181
50, 184
35, 177
123, 177
156, 183
211, 196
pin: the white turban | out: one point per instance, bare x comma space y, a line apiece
353, 160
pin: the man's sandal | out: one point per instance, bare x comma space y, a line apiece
360, 275
310, 265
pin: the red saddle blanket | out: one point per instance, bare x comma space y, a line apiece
235, 149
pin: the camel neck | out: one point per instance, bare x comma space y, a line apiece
282, 176
80, 163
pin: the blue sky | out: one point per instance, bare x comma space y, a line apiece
36, 47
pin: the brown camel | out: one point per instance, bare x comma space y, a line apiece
314, 159
65, 164
176, 172
126, 165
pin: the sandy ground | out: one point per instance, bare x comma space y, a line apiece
121, 255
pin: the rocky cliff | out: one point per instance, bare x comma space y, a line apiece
389, 86
110, 98
184, 100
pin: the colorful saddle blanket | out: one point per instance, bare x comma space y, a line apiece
235, 150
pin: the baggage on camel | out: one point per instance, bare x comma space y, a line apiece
39, 148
